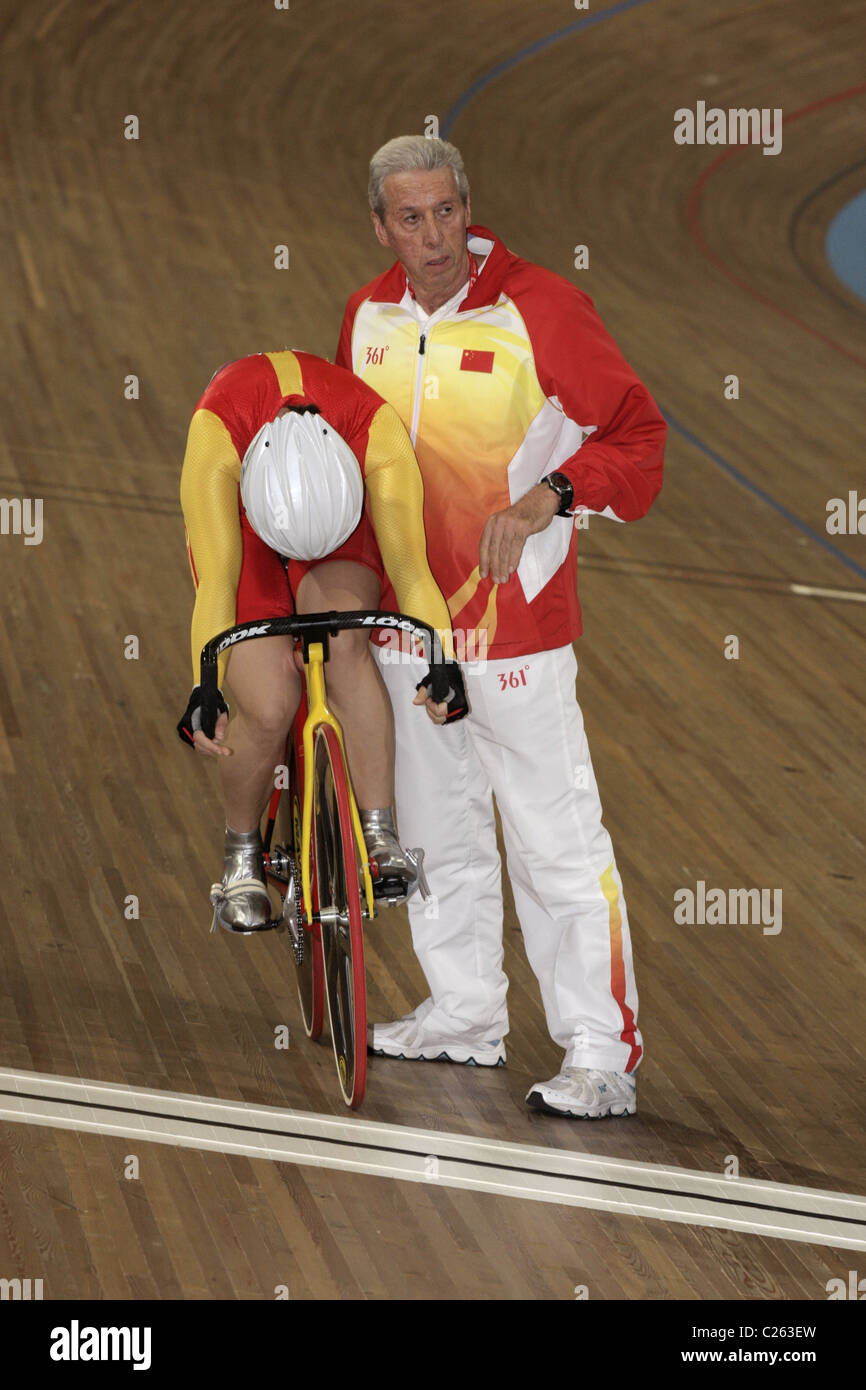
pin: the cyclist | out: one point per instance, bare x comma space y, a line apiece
299, 490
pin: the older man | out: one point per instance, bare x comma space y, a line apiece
522, 411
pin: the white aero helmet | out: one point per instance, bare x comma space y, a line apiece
301, 486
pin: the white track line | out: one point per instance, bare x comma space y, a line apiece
806, 591
645, 570
449, 1160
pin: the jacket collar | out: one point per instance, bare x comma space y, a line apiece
391, 286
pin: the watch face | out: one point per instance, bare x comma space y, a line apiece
559, 484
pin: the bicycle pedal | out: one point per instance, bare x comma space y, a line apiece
390, 890
416, 859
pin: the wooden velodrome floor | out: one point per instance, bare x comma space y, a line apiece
155, 258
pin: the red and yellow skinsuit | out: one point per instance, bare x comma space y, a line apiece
518, 380
238, 578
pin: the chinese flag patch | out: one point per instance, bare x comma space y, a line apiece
473, 361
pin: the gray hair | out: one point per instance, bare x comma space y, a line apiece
408, 152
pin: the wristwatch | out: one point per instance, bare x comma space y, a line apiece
558, 483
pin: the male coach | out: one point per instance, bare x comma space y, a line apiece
522, 411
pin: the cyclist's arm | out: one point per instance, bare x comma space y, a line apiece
209, 498
396, 495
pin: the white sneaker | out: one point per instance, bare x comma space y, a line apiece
585, 1094
407, 1040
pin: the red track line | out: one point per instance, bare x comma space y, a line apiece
694, 223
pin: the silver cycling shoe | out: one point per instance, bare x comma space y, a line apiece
396, 872
241, 902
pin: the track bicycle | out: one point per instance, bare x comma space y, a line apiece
314, 850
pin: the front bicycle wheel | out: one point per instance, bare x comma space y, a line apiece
310, 970
339, 893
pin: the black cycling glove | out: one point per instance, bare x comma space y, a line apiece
191, 720
444, 682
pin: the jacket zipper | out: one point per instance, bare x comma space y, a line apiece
419, 378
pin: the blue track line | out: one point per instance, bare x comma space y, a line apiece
763, 496
529, 52
457, 110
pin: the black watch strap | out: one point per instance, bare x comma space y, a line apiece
558, 483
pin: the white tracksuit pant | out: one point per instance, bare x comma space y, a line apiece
523, 741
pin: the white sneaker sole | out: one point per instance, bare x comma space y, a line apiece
439, 1052
538, 1100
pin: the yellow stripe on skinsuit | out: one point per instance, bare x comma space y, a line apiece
458, 601
490, 620
288, 371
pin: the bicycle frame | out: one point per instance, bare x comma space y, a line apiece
319, 713
313, 630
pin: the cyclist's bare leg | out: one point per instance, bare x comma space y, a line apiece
264, 694
264, 690
356, 690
